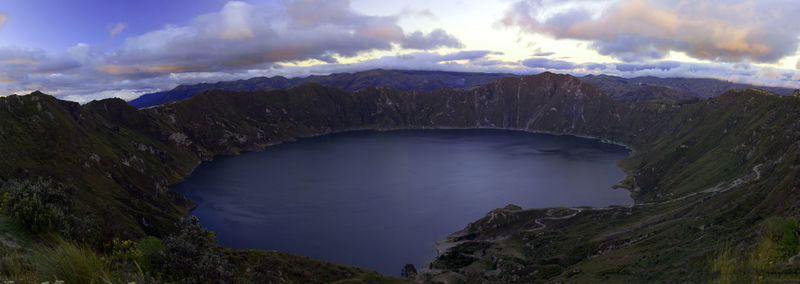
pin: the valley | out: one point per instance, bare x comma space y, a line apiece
123, 160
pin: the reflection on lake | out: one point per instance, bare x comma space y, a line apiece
381, 199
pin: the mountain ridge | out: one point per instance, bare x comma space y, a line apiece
699, 87
672, 90
398, 79
124, 158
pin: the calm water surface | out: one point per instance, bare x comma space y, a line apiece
381, 199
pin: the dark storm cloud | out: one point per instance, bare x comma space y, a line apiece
639, 30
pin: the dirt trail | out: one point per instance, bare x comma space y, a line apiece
720, 188
542, 225
445, 245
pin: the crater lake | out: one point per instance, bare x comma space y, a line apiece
381, 199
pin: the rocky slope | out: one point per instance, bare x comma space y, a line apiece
687, 159
663, 90
717, 171
404, 80
658, 94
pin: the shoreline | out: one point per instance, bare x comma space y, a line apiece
441, 246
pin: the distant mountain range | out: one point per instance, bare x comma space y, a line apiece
666, 90
700, 87
396, 79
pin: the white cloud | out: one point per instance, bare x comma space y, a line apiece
125, 94
244, 40
242, 35
436, 38
236, 21
116, 29
639, 30
237, 38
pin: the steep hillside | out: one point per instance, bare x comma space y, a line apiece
658, 94
119, 161
708, 185
108, 149
404, 80
665, 90
698, 176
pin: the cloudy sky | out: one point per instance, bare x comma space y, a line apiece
88, 49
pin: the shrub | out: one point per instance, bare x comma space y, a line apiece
152, 250
192, 255
43, 206
766, 261
409, 271
83, 229
35, 206
122, 251
784, 232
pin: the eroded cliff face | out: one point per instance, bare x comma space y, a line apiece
223, 122
123, 158
696, 173
713, 175
108, 150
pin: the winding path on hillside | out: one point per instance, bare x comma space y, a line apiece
720, 188
443, 246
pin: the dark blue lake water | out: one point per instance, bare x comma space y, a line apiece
382, 199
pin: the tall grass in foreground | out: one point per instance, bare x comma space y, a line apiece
71, 263
769, 261
59, 260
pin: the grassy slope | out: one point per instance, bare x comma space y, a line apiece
84, 146
395, 79
681, 149
675, 237
121, 163
658, 94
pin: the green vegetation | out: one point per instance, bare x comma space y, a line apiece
461, 255
409, 271
771, 260
151, 249
38, 243
190, 256
193, 255
658, 94
710, 178
43, 206
36, 206
57, 260
53, 259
